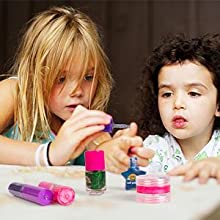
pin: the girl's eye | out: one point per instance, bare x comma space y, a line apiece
194, 94
88, 77
166, 94
61, 79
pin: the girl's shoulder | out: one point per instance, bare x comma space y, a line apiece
8, 99
9, 85
8, 89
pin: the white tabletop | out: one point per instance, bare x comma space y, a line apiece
188, 200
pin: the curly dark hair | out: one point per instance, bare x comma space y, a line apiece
204, 50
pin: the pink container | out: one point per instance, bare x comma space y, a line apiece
153, 188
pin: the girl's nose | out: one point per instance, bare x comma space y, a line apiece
179, 102
77, 91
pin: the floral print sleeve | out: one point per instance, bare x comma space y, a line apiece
168, 153
160, 146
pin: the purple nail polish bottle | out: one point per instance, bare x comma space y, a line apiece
109, 127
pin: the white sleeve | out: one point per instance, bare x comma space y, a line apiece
160, 147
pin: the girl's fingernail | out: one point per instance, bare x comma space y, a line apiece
131, 150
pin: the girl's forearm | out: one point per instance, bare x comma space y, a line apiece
17, 152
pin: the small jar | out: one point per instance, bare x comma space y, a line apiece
153, 188
95, 172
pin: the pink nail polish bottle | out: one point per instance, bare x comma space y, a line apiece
95, 172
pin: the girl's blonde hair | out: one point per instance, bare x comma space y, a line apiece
54, 38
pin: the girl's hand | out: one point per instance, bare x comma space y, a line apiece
76, 132
203, 169
117, 150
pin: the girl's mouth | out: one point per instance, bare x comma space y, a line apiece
179, 122
71, 107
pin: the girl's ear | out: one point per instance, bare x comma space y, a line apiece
217, 112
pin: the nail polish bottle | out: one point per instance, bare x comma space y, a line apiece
109, 127
131, 173
95, 172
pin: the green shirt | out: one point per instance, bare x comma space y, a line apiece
13, 133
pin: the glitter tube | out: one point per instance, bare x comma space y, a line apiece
31, 193
64, 195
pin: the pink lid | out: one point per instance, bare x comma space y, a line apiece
65, 195
94, 160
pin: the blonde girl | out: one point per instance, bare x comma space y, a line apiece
60, 72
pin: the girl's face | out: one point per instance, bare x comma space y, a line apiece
187, 100
68, 91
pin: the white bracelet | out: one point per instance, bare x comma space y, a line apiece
41, 148
45, 154
37, 155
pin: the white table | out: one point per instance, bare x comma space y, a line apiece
188, 200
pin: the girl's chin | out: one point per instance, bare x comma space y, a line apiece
179, 133
62, 118
181, 136
66, 117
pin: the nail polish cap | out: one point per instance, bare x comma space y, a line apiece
109, 127
94, 160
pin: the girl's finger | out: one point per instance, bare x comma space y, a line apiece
142, 152
114, 165
125, 142
79, 109
121, 157
180, 170
218, 175
87, 120
95, 140
118, 133
140, 161
204, 174
83, 134
131, 131
116, 168
193, 171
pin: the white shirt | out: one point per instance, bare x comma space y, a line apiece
168, 153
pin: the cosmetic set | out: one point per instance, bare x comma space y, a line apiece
153, 187
45, 193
